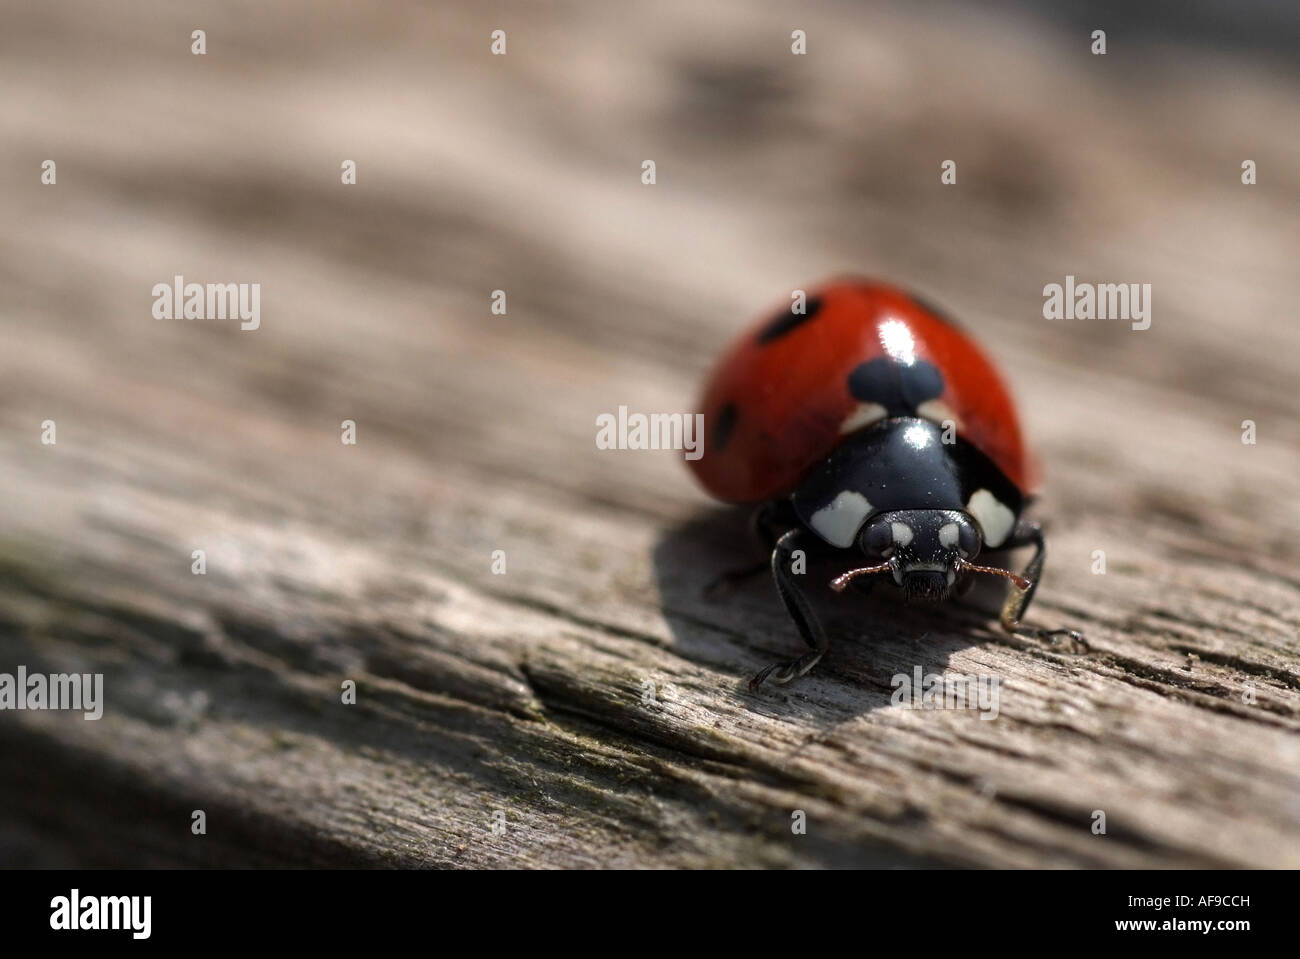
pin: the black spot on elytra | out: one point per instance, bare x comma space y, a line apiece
787, 321
723, 425
937, 312
899, 388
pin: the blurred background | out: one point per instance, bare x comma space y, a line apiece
475, 431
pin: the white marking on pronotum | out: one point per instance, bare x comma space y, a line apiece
948, 535
864, 415
902, 533
995, 519
839, 522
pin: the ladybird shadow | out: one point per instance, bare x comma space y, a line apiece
873, 638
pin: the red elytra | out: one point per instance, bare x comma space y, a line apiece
778, 401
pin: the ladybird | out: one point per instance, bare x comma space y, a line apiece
870, 421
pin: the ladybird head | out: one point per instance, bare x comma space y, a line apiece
923, 549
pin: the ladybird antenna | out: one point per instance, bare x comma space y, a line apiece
841, 581
1021, 582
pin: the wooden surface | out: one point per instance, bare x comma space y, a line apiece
523, 692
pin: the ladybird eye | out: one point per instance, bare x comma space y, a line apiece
878, 538
961, 536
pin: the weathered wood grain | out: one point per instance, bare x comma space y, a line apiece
523, 692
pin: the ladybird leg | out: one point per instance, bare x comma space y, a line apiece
797, 605
765, 525
1031, 534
